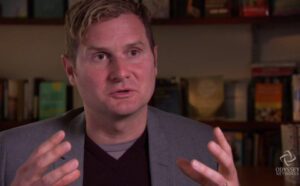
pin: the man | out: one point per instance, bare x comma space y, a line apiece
117, 139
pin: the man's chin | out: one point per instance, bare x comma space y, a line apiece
127, 110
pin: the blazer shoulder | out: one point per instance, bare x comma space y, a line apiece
178, 123
39, 129
185, 137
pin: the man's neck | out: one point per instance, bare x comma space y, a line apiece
112, 130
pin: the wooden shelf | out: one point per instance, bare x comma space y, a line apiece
227, 20
4, 125
24, 21
244, 126
175, 21
259, 176
225, 125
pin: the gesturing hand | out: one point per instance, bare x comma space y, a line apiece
202, 174
33, 171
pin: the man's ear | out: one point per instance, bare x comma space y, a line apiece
69, 68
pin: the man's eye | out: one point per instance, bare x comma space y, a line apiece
102, 56
134, 52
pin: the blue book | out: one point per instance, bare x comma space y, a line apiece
14, 8
49, 8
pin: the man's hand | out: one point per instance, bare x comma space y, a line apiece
202, 174
33, 171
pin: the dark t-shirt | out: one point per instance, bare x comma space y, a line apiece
131, 169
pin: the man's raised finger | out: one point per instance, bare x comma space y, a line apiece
221, 140
47, 145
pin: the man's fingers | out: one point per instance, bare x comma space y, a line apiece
221, 140
200, 173
69, 178
43, 161
186, 168
62, 175
211, 176
46, 154
224, 159
54, 140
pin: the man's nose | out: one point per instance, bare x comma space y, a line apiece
119, 70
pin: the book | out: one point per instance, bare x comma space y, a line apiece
36, 95
272, 148
187, 8
168, 95
248, 149
286, 7
218, 8
2, 86
14, 8
29, 99
205, 96
49, 8
268, 102
158, 8
270, 94
254, 8
296, 96
15, 102
195, 8
236, 100
235, 139
54, 99
290, 146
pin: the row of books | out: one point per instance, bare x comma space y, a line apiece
255, 149
34, 99
290, 157
35, 8
202, 97
272, 94
164, 9
221, 8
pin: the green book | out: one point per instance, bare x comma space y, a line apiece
53, 99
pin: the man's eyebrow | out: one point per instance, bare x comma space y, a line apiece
95, 48
138, 43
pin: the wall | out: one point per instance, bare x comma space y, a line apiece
31, 51
195, 50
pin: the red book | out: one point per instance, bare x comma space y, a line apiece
254, 8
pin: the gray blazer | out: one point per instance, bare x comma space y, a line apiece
170, 137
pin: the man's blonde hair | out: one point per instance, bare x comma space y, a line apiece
87, 12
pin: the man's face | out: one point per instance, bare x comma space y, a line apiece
115, 67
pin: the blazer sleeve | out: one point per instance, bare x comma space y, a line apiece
2, 160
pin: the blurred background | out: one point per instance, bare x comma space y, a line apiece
227, 63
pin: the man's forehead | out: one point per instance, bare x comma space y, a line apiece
99, 47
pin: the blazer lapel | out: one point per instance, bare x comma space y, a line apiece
158, 152
75, 135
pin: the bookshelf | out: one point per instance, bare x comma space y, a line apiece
25, 21
248, 175
244, 126
173, 21
5, 125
